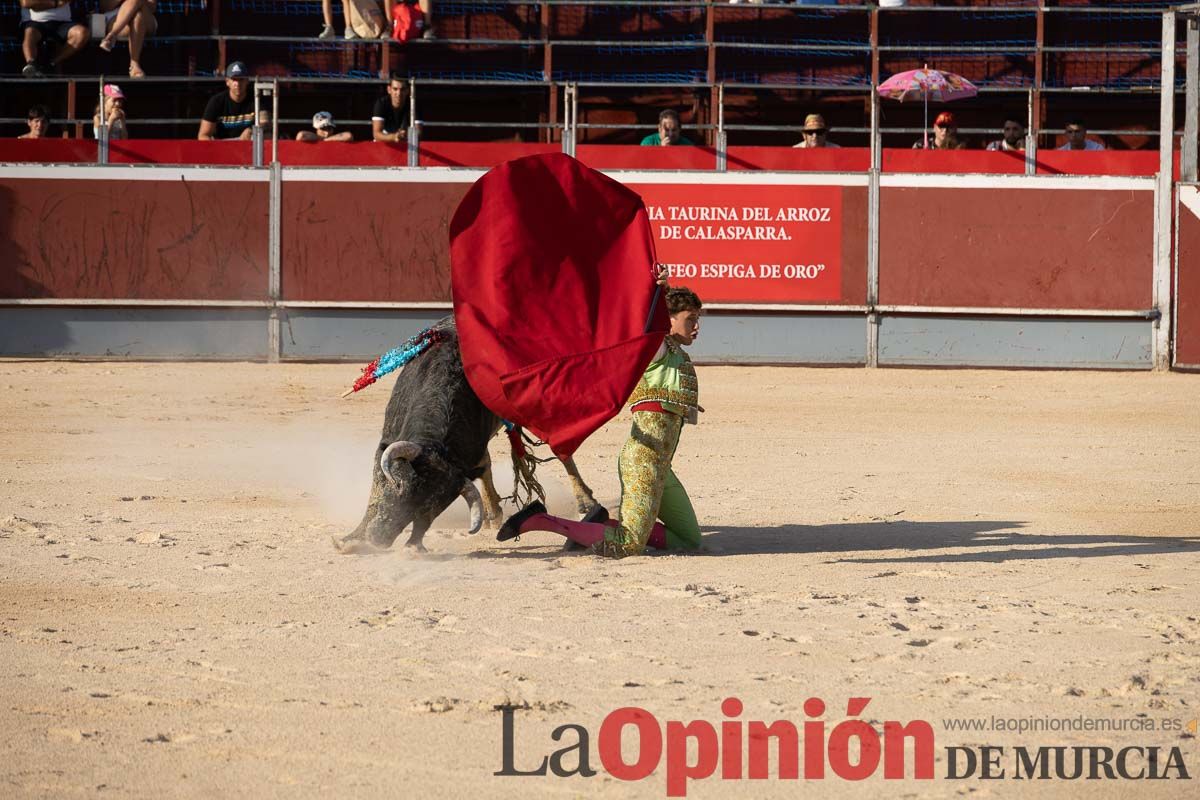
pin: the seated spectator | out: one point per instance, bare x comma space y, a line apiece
1014, 136
136, 19
814, 132
49, 20
389, 119
1077, 137
669, 130
327, 13
945, 135
230, 114
114, 113
324, 130
39, 124
368, 14
426, 7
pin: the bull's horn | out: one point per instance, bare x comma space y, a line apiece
474, 503
405, 450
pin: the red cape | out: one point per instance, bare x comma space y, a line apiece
552, 267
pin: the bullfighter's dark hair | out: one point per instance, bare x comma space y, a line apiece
681, 298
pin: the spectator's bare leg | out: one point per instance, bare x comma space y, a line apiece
426, 7
387, 19
29, 45
345, 14
77, 37
327, 12
124, 18
144, 24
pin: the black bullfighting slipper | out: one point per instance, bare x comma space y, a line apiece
597, 514
511, 528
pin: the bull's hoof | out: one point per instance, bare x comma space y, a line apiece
416, 547
355, 547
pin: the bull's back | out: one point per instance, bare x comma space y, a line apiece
432, 402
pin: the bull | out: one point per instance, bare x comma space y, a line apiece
433, 447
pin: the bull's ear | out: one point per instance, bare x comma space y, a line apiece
476, 473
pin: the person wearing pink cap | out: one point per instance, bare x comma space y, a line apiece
945, 135
113, 113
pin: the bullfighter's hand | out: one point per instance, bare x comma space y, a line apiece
661, 273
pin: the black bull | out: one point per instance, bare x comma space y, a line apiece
433, 446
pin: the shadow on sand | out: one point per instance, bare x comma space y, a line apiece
901, 541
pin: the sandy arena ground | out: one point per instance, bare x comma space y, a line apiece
951, 544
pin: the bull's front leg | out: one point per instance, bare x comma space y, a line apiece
420, 526
491, 498
584, 501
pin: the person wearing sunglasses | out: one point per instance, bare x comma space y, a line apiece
815, 133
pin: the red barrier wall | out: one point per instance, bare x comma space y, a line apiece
841, 159
47, 151
953, 161
367, 241
1187, 310
362, 241
478, 154
632, 156
180, 151
123, 239
342, 154
1019, 248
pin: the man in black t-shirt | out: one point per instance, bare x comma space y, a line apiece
389, 120
230, 114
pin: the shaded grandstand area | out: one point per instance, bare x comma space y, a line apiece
496, 68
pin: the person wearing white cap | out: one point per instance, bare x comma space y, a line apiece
113, 113
230, 114
324, 130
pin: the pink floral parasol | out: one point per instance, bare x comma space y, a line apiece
929, 84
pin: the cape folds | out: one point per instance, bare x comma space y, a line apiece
552, 268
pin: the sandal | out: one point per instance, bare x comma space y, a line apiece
107, 43
135, 71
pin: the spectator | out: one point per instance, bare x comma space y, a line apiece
324, 130
369, 17
945, 135
389, 119
1077, 137
426, 7
39, 124
1014, 136
669, 130
230, 114
814, 132
114, 113
327, 12
49, 20
136, 17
